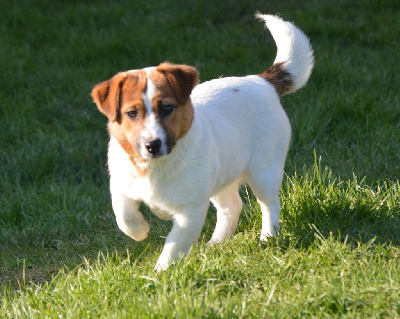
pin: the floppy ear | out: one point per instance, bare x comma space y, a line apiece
106, 95
183, 78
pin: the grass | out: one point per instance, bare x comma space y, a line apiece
61, 253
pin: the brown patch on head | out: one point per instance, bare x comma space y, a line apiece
115, 98
106, 95
182, 78
279, 78
174, 84
121, 100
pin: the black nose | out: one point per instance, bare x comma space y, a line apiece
153, 146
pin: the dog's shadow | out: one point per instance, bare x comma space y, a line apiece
304, 223
349, 219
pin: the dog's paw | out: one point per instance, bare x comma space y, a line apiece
213, 242
265, 236
143, 235
162, 264
137, 231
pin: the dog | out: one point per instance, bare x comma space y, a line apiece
176, 144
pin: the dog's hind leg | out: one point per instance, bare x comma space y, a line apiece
229, 205
265, 185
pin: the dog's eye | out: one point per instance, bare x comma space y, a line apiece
166, 110
132, 114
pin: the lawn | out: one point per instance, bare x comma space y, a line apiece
61, 252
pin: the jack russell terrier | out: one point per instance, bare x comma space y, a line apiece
176, 144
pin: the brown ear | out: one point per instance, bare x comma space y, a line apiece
183, 78
106, 96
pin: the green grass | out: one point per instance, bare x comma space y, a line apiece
61, 253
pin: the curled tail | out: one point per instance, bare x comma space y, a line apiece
294, 60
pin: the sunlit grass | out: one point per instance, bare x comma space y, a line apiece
61, 253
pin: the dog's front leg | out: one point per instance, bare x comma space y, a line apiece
185, 232
129, 219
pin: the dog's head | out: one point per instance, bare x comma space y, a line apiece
148, 110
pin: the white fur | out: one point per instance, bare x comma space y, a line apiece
239, 133
294, 49
152, 129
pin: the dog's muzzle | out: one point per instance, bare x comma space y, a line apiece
154, 148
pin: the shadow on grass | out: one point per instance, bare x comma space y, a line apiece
314, 206
355, 224
34, 255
